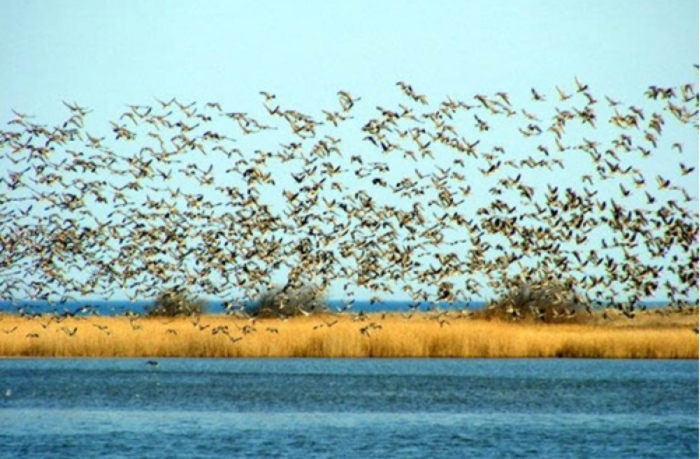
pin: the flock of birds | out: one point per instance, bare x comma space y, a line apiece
445, 203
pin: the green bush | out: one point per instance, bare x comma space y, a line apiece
174, 302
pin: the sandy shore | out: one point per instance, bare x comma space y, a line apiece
668, 335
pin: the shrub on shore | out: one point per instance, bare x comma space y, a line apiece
175, 302
539, 301
305, 300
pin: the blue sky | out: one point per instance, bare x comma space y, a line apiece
105, 55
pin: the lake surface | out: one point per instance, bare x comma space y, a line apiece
348, 408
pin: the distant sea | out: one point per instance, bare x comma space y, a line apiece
121, 307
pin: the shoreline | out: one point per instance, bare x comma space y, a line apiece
382, 335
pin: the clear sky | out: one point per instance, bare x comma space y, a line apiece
107, 54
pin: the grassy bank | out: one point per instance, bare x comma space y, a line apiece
649, 335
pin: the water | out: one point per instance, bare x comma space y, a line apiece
120, 307
348, 408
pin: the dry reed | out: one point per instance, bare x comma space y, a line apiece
376, 335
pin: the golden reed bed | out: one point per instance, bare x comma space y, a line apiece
649, 336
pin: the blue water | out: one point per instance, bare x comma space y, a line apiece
348, 408
120, 307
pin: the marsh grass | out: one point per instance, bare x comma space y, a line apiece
650, 336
